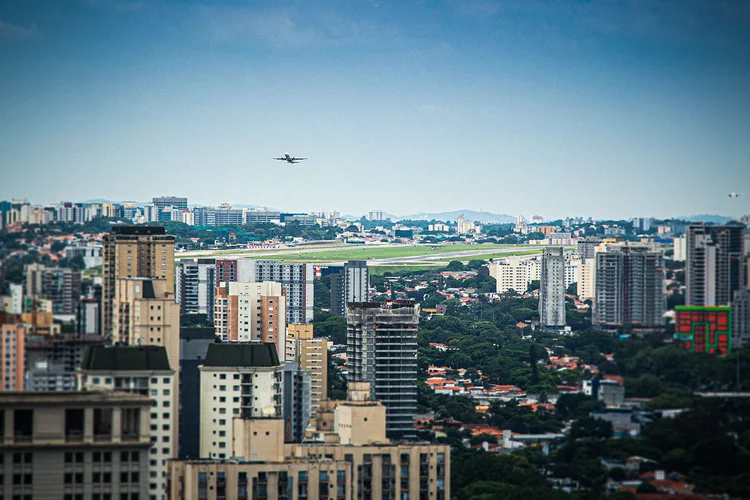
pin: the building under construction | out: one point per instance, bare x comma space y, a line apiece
382, 350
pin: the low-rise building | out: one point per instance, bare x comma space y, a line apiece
72, 445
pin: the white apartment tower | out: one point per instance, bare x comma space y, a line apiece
140, 370
237, 380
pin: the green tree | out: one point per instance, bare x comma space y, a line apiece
455, 265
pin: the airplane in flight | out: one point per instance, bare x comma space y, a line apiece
290, 159
734, 195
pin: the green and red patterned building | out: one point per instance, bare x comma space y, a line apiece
705, 328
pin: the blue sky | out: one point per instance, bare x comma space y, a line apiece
615, 108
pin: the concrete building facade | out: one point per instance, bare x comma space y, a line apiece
352, 284
311, 355
146, 314
714, 268
237, 379
552, 289
59, 285
741, 319
196, 282
12, 353
52, 361
245, 311
296, 408
72, 445
194, 344
134, 252
629, 287
382, 350
145, 371
296, 279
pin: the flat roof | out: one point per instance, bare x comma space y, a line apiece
70, 398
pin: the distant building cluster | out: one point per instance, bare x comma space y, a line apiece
104, 378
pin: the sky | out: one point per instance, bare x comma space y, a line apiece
602, 108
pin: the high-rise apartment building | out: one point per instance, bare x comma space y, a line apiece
134, 252
629, 287
511, 273
586, 247
196, 281
61, 286
194, 344
75, 445
741, 319
296, 407
679, 248
376, 215
352, 284
52, 360
143, 370
89, 317
147, 314
162, 202
251, 311
296, 279
586, 279
311, 355
382, 350
572, 269
714, 268
552, 289
237, 380
12, 354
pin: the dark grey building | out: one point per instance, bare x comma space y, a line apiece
715, 263
629, 288
382, 350
194, 344
351, 284
296, 406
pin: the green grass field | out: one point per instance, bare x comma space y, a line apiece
379, 270
374, 252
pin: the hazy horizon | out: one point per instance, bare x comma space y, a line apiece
605, 109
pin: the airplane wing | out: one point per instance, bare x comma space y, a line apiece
299, 159
279, 158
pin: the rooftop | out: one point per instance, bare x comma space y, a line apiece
69, 398
235, 354
126, 358
138, 230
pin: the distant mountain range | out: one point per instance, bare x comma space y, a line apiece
712, 218
472, 215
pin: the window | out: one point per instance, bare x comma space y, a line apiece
102, 424
23, 425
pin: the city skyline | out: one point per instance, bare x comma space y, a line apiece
629, 109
